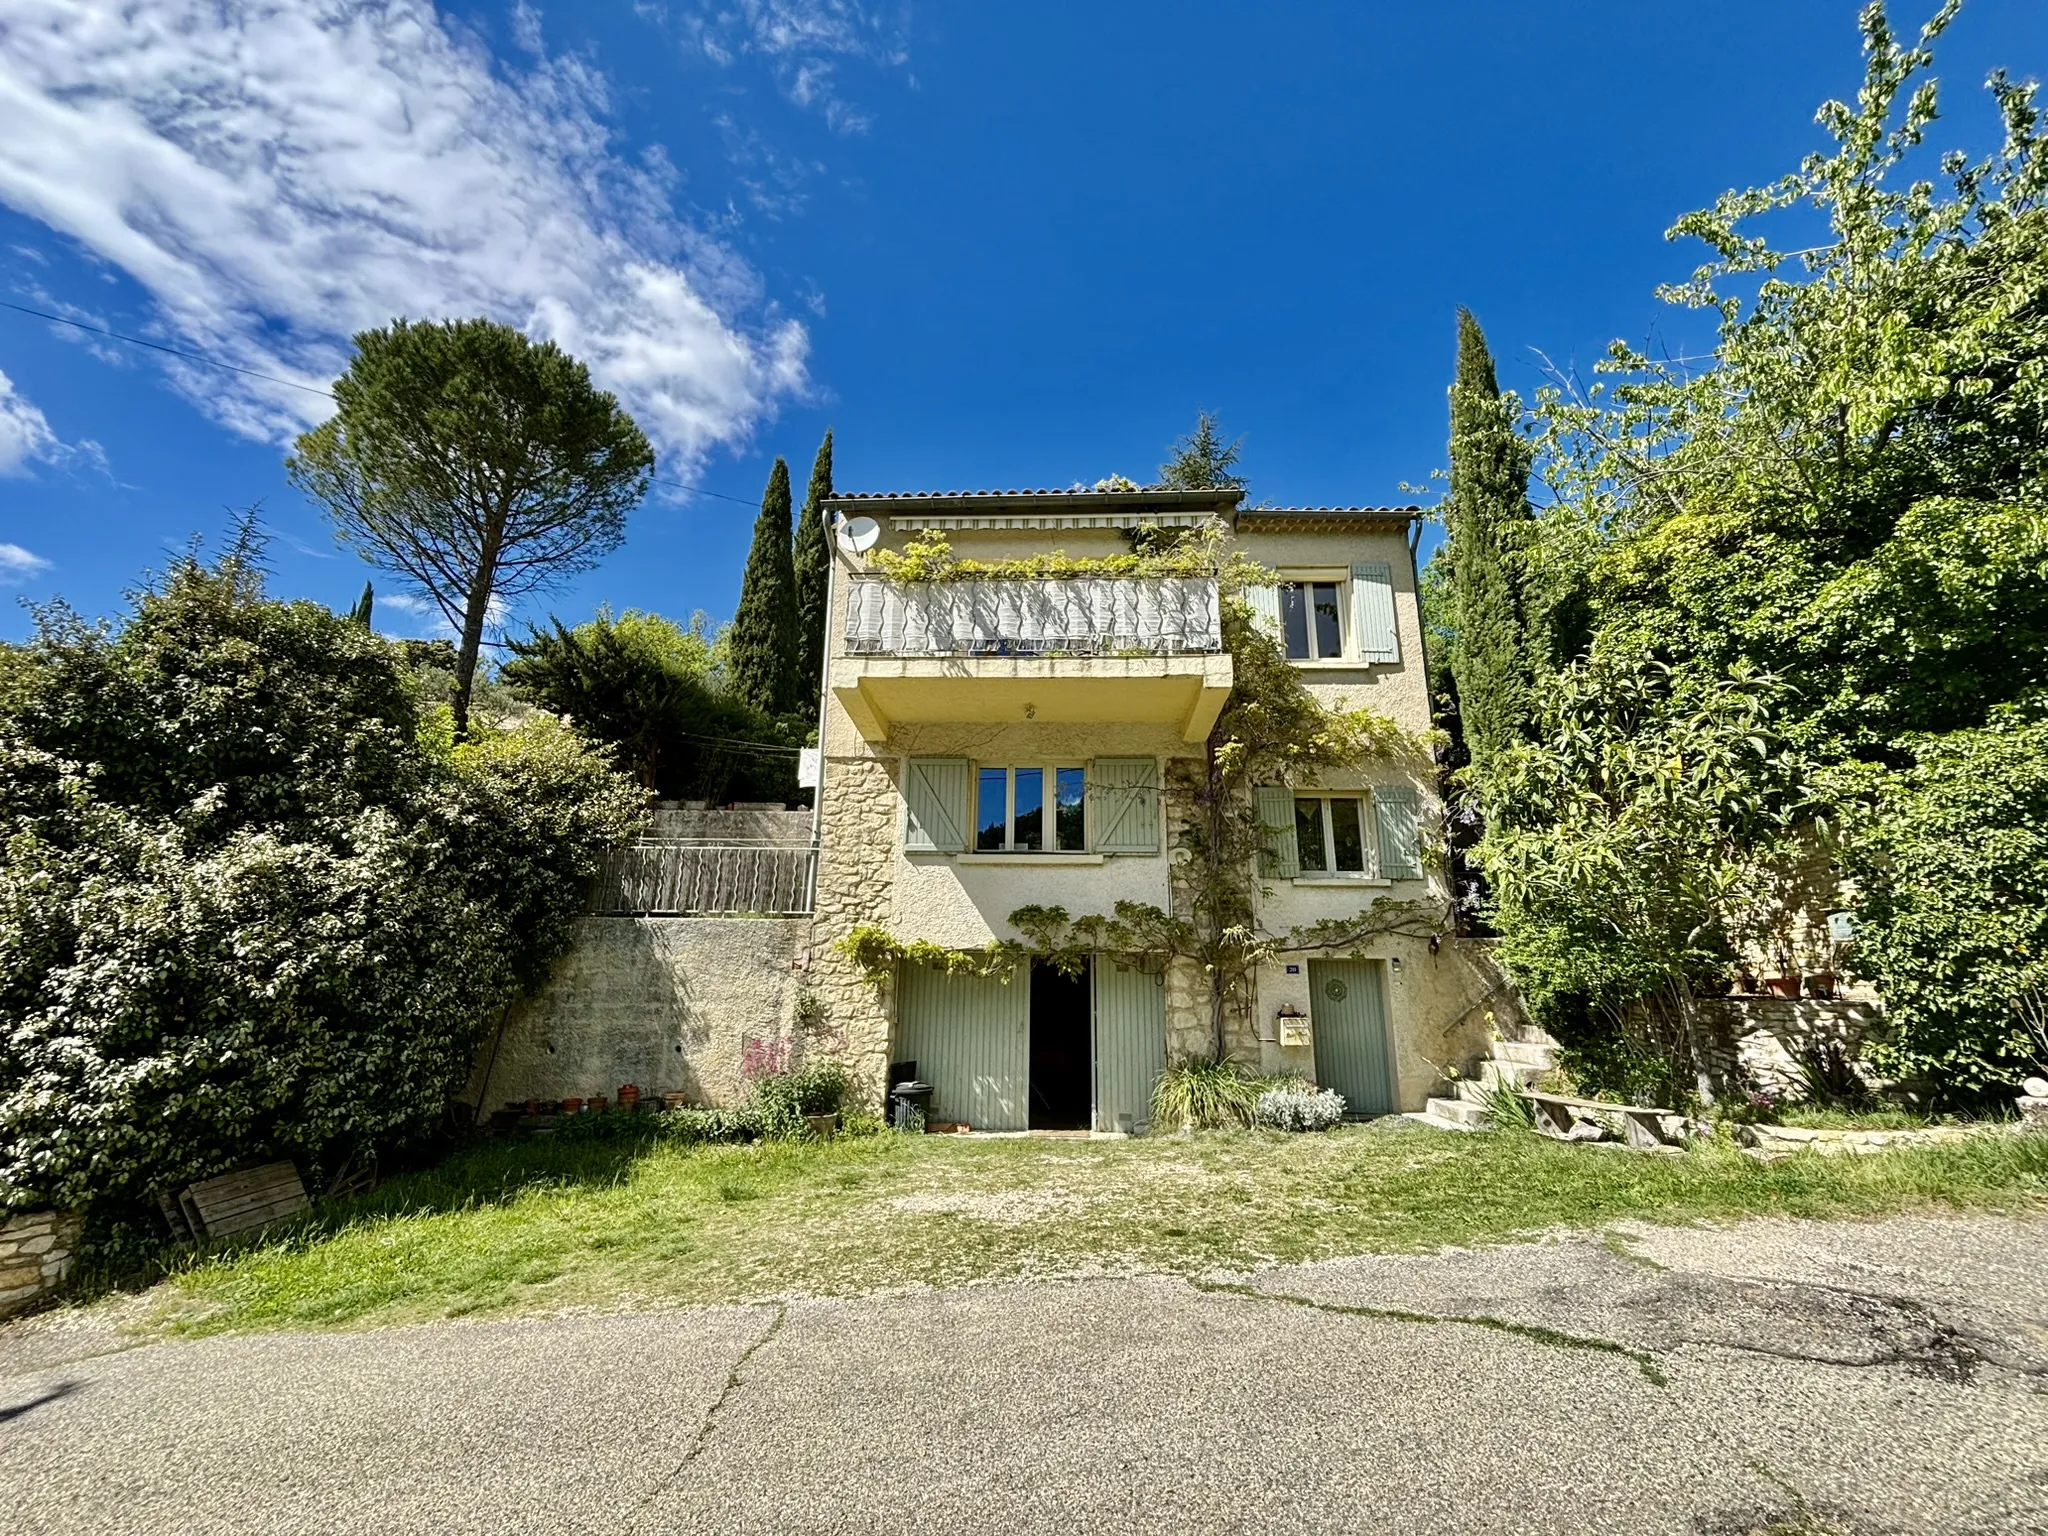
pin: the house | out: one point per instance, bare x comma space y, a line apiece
994, 744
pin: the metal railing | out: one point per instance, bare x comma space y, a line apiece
672, 879
1151, 616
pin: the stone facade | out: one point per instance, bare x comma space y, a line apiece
35, 1255
856, 852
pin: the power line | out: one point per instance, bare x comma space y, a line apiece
271, 378
157, 346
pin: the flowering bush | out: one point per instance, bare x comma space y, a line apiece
254, 902
1299, 1106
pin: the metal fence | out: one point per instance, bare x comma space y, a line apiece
1160, 616
669, 879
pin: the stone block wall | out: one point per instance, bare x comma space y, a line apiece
35, 1255
1761, 1036
764, 825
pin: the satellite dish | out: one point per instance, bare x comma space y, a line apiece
859, 536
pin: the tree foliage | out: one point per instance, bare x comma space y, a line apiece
1487, 524
476, 464
253, 901
1845, 497
763, 646
649, 688
1951, 855
813, 560
1203, 460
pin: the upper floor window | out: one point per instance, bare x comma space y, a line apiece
1031, 810
1337, 616
1330, 834
1311, 620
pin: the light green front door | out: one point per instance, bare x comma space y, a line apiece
1130, 1044
971, 1039
1354, 1050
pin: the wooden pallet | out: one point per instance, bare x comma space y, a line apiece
239, 1201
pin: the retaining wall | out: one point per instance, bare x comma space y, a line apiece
669, 1004
35, 1255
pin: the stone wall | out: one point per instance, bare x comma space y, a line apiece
668, 1004
1762, 1035
766, 825
35, 1255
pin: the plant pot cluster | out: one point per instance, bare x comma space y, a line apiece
1790, 984
629, 1100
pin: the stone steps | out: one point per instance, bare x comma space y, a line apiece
1540, 1054
1462, 1113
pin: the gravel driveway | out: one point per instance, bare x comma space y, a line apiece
1781, 1376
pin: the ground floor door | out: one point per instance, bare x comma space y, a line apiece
1042, 1052
1354, 1049
970, 1037
1130, 1044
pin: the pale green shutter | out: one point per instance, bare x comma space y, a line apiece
1372, 612
1265, 604
1123, 804
1399, 834
1279, 857
935, 796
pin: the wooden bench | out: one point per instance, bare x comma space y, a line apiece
1558, 1116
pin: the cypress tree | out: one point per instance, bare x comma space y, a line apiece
360, 614
764, 639
1487, 522
813, 567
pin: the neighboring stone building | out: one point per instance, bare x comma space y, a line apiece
989, 745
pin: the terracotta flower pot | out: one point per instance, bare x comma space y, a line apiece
675, 1100
600, 1104
571, 1106
1821, 986
629, 1095
1782, 986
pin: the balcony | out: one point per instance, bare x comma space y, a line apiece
1140, 650
1153, 616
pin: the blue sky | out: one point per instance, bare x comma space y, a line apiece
991, 245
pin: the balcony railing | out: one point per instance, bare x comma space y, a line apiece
1144, 616
661, 879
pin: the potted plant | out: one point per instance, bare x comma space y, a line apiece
572, 1106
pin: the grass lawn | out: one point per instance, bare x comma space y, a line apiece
545, 1225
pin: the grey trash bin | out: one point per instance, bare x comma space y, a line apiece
911, 1104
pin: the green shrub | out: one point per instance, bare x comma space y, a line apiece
1951, 855
692, 1126
250, 907
1200, 1094
782, 1099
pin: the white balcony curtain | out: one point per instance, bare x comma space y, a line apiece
1151, 616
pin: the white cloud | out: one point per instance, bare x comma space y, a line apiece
17, 564
25, 439
280, 175
802, 40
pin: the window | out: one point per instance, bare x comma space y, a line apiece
1329, 834
1010, 810
1311, 620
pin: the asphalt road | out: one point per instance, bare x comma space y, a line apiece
1782, 1376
